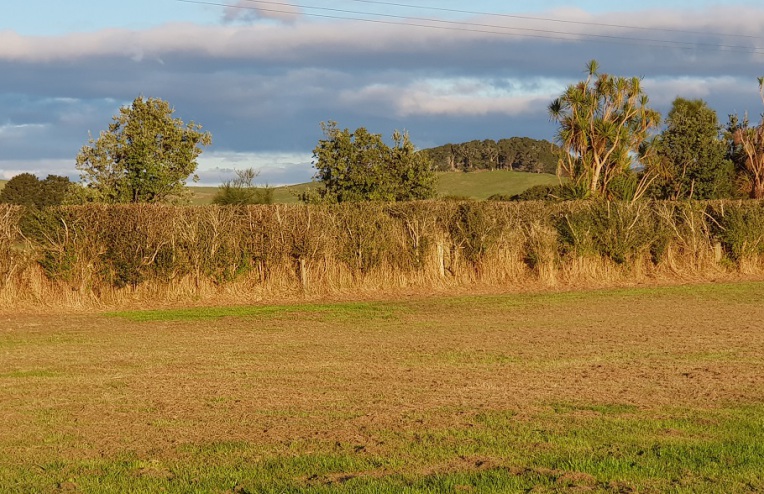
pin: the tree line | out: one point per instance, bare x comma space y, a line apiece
516, 153
608, 145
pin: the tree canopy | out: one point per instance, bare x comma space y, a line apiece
146, 155
691, 155
359, 166
516, 153
603, 121
27, 190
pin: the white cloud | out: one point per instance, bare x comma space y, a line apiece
303, 38
42, 168
457, 96
274, 168
10, 131
250, 10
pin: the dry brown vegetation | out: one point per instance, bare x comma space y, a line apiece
403, 385
111, 255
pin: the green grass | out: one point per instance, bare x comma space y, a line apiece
330, 311
557, 450
483, 184
474, 185
287, 194
419, 395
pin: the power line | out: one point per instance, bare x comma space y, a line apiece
552, 19
479, 28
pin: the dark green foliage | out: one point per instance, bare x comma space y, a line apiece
517, 153
746, 151
617, 230
739, 227
538, 193
54, 232
474, 230
691, 155
359, 166
27, 190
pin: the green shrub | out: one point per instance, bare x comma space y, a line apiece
739, 226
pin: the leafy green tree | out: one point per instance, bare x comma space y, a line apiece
747, 151
23, 189
691, 155
242, 190
603, 122
359, 166
146, 155
27, 190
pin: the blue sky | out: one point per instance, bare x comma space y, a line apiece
261, 81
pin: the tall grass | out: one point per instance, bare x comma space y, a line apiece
104, 254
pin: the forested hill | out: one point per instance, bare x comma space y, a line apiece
516, 153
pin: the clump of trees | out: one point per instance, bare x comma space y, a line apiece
359, 166
610, 146
145, 156
516, 153
242, 190
26, 189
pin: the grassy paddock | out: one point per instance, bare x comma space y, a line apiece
474, 185
483, 184
632, 390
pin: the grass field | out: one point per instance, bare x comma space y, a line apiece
2, 183
630, 390
475, 185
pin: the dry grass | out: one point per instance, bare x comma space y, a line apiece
305, 379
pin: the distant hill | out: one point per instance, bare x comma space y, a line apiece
474, 185
2, 183
515, 154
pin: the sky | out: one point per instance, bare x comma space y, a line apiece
262, 75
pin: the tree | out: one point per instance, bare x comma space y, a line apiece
359, 166
242, 190
747, 151
690, 155
27, 190
603, 121
146, 155
23, 189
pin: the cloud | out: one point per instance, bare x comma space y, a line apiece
262, 88
252, 10
459, 96
273, 168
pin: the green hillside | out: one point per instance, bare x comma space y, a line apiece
474, 185
483, 184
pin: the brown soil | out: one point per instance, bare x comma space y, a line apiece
81, 385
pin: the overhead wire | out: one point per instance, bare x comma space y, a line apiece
465, 26
553, 19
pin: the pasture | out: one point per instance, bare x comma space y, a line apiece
474, 185
649, 389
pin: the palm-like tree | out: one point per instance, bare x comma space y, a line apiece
603, 122
748, 150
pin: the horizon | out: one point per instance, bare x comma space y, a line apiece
261, 76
